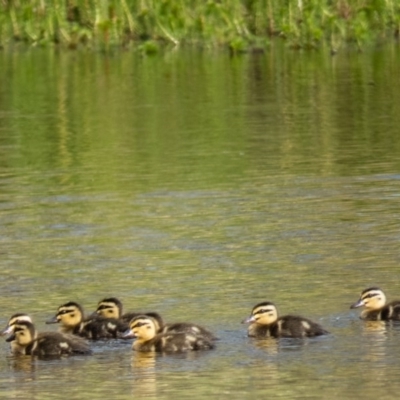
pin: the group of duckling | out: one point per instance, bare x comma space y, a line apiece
151, 334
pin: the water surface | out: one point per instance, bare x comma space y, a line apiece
196, 185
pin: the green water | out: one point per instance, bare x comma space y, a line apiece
197, 184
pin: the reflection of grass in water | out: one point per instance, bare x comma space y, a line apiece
236, 23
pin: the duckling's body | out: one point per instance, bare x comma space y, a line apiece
376, 309
144, 329
45, 344
71, 318
264, 322
189, 328
112, 307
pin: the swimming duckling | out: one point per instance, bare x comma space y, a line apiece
144, 329
71, 318
44, 344
264, 322
112, 308
15, 347
376, 309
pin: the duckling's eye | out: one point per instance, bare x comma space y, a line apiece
264, 311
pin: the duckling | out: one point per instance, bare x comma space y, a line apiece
376, 309
71, 317
144, 329
264, 322
112, 308
44, 344
15, 347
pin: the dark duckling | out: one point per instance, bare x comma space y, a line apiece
264, 322
45, 344
376, 309
144, 329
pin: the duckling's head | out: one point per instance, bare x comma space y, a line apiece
143, 328
13, 320
110, 308
23, 332
69, 315
372, 298
264, 313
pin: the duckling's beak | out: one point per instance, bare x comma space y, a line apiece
6, 331
359, 303
249, 320
11, 337
128, 334
53, 320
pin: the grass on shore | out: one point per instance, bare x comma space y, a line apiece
238, 24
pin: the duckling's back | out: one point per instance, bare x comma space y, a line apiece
296, 327
189, 328
100, 328
50, 344
176, 343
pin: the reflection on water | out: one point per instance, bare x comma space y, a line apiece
197, 185
269, 345
22, 364
144, 375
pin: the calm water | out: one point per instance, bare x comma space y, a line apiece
196, 185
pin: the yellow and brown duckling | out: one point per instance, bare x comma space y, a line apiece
376, 309
144, 329
15, 347
71, 318
45, 344
112, 308
264, 322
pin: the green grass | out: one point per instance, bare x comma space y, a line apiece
238, 24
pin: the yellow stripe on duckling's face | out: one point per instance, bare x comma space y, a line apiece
108, 309
264, 314
371, 299
13, 320
143, 328
69, 315
23, 334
